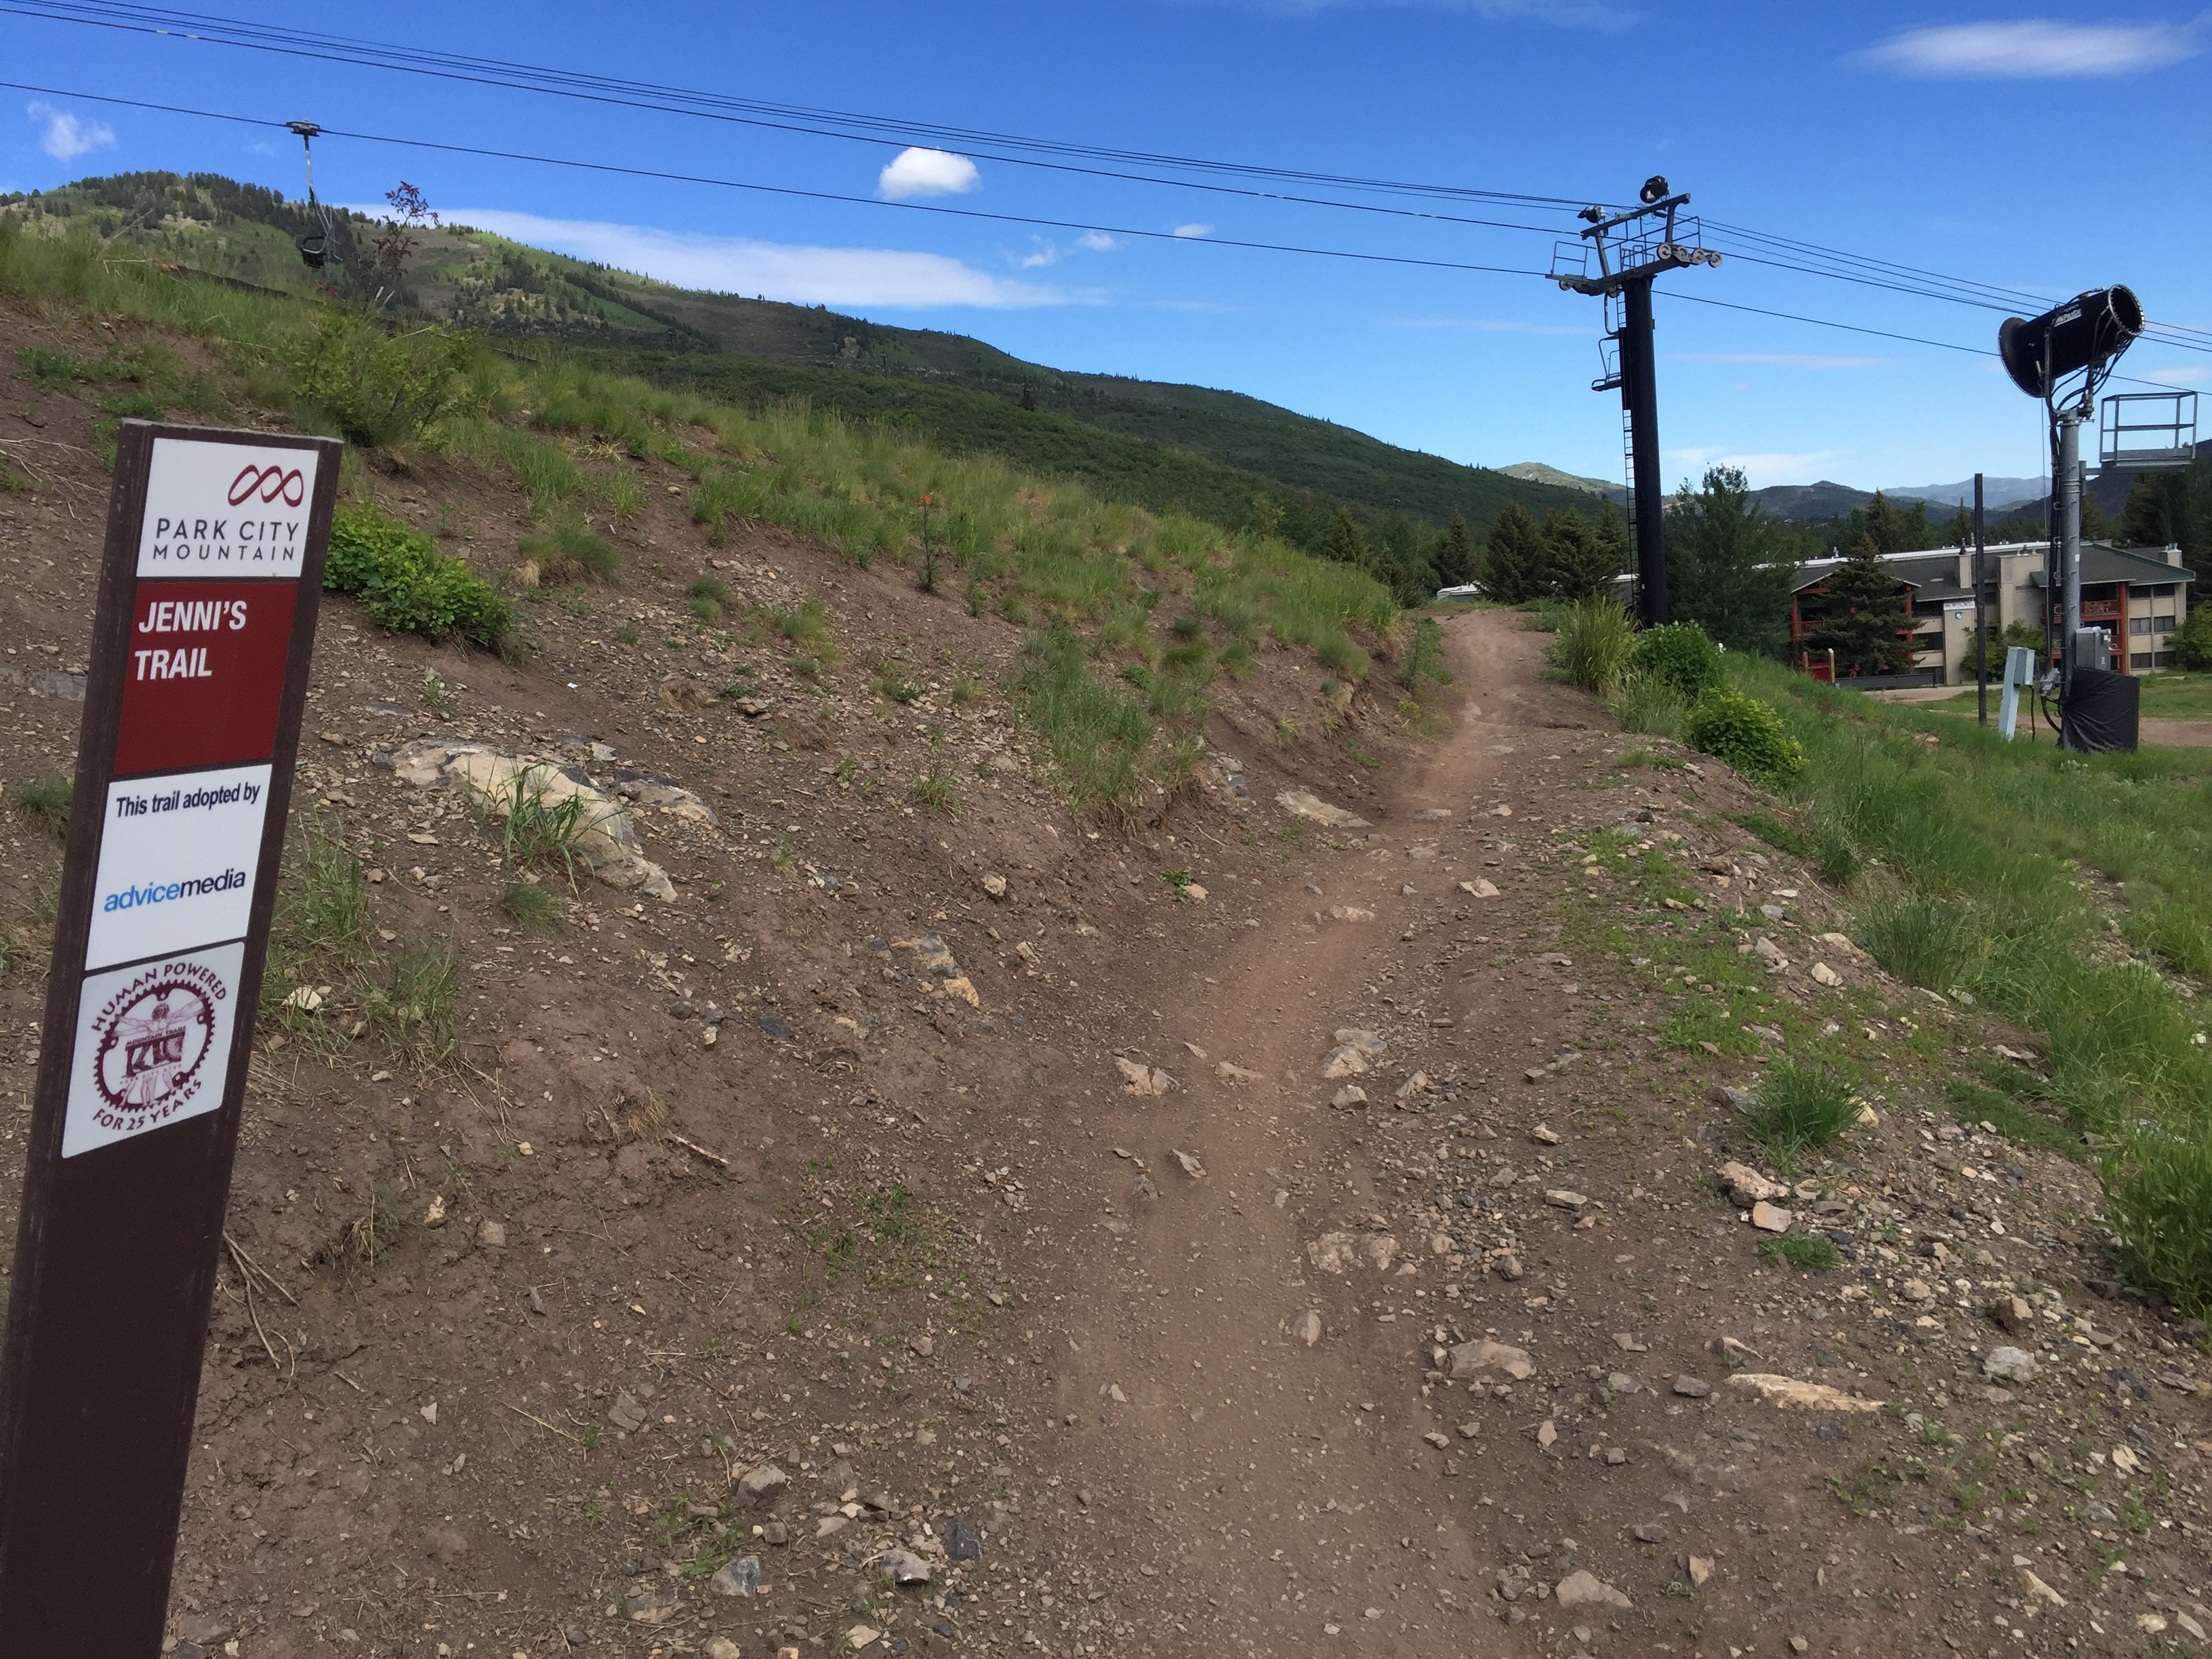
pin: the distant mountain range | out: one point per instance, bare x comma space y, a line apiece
1538, 472
1827, 500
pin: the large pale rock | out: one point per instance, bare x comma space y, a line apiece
1584, 1589
1305, 804
605, 840
1483, 1358
1791, 1394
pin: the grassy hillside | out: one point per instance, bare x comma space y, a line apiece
1132, 615
1159, 444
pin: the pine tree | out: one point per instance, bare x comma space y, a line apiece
1614, 545
1869, 613
1729, 568
1345, 545
2145, 522
1455, 554
1572, 566
1885, 525
1511, 564
1962, 528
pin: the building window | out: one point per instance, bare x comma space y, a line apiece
2163, 659
2160, 591
2139, 624
2140, 660
2161, 624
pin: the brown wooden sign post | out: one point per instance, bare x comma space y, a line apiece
206, 618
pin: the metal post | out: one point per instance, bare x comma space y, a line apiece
1639, 390
1981, 645
2069, 544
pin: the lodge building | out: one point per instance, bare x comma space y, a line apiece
2139, 594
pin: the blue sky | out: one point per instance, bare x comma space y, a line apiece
1976, 141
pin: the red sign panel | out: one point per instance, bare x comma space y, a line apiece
204, 675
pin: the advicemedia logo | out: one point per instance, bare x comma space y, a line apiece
163, 892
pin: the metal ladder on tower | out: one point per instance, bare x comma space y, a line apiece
1628, 468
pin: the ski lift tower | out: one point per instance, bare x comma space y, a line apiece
1632, 249
2147, 432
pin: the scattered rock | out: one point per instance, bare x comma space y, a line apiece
905, 1567
492, 1235
1564, 1198
1351, 1095
762, 1485
653, 1603
741, 1576
1229, 1074
626, 1414
1481, 887
1483, 1356
960, 1544
1349, 913
2015, 1313
2009, 1364
1138, 1078
1306, 1327
1701, 1570
1791, 1394
718, 1647
1826, 975
1584, 1589
1416, 1084
1691, 1388
1746, 1187
1190, 1165
995, 886
1544, 1135
1772, 1218
1650, 1532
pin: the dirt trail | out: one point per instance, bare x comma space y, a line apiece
1283, 1474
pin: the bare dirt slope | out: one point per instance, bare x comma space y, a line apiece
1011, 1232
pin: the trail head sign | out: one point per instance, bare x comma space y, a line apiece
201, 639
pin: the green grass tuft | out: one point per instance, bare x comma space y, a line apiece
1806, 1252
531, 906
46, 802
1800, 1109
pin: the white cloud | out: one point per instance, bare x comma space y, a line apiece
775, 270
917, 171
2036, 49
66, 137
1780, 359
1494, 325
2173, 376
1193, 232
1045, 252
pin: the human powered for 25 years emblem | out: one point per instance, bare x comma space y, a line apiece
154, 1036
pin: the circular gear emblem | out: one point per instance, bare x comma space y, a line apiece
153, 1047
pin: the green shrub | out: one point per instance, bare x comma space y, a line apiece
1678, 654
1591, 642
378, 388
2192, 640
410, 587
1744, 732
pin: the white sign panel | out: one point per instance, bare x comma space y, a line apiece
153, 1046
226, 510
177, 856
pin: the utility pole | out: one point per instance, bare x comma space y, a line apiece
1981, 580
1647, 242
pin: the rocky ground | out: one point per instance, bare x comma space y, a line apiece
1299, 1220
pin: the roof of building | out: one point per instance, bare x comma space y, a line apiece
1934, 575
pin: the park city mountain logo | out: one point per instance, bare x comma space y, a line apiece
153, 1035
273, 483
